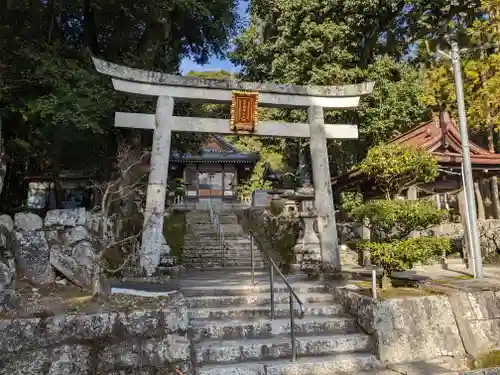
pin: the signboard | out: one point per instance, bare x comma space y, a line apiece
261, 198
244, 112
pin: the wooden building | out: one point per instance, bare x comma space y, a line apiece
440, 137
214, 173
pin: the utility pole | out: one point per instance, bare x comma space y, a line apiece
468, 179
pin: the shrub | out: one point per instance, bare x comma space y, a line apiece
396, 219
402, 255
395, 167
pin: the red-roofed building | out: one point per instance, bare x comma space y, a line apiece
440, 137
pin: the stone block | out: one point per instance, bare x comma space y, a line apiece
477, 316
26, 221
76, 262
33, 255
155, 352
62, 360
65, 218
23, 334
407, 329
7, 222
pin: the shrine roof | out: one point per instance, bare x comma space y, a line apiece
216, 150
441, 138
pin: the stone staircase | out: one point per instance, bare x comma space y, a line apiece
202, 248
232, 333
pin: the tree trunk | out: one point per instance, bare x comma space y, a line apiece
479, 202
3, 160
495, 196
90, 29
56, 167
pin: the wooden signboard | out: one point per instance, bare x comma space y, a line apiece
244, 112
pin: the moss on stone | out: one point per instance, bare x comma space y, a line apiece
394, 293
174, 228
487, 360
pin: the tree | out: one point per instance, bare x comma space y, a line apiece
54, 104
331, 42
481, 68
395, 168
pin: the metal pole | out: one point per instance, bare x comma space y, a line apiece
271, 282
292, 328
467, 165
467, 228
252, 259
374, 283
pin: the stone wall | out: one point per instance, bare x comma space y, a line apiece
489, 232
62, 241
408, 329
425, 328
114, 341
7, 263
478, 318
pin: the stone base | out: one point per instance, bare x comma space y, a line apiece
174, 272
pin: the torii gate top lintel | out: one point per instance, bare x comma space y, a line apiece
157, 78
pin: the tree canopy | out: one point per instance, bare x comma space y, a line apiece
57, 111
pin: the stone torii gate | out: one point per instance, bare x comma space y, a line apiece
168, 87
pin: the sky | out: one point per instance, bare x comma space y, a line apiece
188, 65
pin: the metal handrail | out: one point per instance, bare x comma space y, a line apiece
292, 295
219, 231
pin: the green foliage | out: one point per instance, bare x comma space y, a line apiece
177, 187
350, 201
277, 233
174, 228
402, 255
57, 111
394, 167
396, 219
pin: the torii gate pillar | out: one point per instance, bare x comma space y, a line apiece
152, 237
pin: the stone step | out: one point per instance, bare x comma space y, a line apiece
238, 290
455, 261
203, 249
217, 257
259, 328
217, 252
252, 311
233, 351
325, 365
200, 235
221, 265
255, 299
231, 240
227, 259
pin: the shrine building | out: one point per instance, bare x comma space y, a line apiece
441, 138
214, 173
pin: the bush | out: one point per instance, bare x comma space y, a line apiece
402, 255
278, 234
395, 167
396, 219
174, 228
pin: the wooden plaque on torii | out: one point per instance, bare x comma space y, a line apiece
244, 112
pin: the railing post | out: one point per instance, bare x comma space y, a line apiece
292, 328
252, 259
271, 282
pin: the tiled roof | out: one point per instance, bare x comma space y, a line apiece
440, 137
